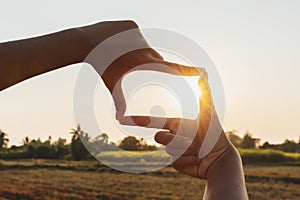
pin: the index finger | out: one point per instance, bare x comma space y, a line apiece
172, 124
185, 70
172, 68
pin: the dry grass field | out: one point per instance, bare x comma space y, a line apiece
90, 180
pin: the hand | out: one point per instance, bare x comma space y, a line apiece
127, 62
50, 52
184, 137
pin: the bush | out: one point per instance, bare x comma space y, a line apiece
259, 156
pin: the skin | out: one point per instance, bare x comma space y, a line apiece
221, 167
24, 59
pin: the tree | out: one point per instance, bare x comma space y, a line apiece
26, 141
99, 143
289, 146
234, 138
62, 149
3, 140
130, 143
102, 138
249, 142
267, 145
78, 150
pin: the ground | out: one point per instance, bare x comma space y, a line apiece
90, 180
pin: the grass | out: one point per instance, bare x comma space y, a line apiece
159, 153
268, 156
39, 183
30, 182
134, 156
249, 156
52, 179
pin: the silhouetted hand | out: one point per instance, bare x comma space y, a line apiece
50, 52
129, 61
184, 137
222, 166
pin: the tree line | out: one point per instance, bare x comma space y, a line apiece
250, 142
76, 150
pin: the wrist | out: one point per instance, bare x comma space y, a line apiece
227, 160
92, 35
225, 177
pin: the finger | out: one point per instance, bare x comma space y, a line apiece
185, 160
172, 124
182, 151
206, 102
119, 100
205, 107
184, 70
172, 68
192, 170
208, 113
173, 141
164, 137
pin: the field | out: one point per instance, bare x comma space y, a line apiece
249, 156
48, 179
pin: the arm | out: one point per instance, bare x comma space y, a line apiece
27, 58
21, 60
225, 178
221, 167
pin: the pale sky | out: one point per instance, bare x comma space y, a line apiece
254, 45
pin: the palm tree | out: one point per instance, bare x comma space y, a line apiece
78, 150
3, 139
26, 141
76, 132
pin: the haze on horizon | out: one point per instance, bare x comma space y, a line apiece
254, 45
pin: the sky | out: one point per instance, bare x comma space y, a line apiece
253, 44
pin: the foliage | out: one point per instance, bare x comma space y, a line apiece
287, 146
135, 157
131, 143
101, 143
267, 156
234, 138
78, 150
249, 142
3, 139
101, 147
38, 150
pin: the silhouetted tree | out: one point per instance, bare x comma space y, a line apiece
100, 143
104, 138
78, 150
266, 145
26, 141
130, 143
289, 146
234, 138
62, 148
249, 142
3, 140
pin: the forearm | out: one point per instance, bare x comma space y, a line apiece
23, 59
225, 178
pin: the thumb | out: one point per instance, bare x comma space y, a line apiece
119, 100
